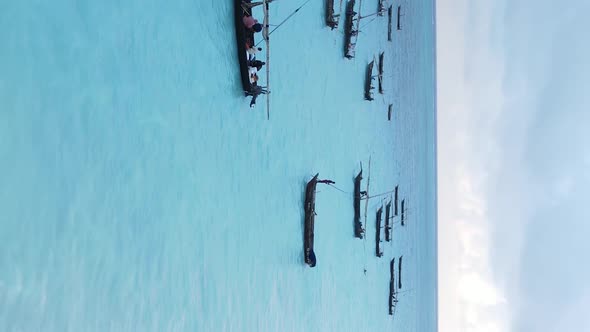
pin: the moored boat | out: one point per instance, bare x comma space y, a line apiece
359, 231
350, 32
380, 72
332, 18
387, 224
369, 81
378, 251
309, 254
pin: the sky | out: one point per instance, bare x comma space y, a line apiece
514, 165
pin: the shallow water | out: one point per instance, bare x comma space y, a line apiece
140, 192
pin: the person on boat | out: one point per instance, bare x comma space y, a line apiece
251, 23
256, 64
326, 181
254, 92
252, 50
363, 193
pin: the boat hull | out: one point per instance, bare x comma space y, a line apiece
243, 36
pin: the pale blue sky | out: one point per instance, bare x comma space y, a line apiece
514, 165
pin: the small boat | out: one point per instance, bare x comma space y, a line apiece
392, 291
243, 36
381, 9
378, 251
395, 200
309, 254
245, 39
399, 272
369, 82
387, 224
350, 32
332, 18
380, 72
359, 231
399, 10
403, 213
389, 112
389, 16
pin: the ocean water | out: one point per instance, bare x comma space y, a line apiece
139, 192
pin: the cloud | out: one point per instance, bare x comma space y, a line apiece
513, 166
471, 101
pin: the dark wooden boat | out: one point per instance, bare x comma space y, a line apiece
243, 36
387, 224
389, 112
309, 221
395, 200
380, 72
399, 10
381, 9
350, 32
378, 251
389, 17
392, 292
369, 81
399, 272
403, 213
359, 231
332, 18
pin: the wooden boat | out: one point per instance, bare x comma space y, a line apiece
399, 10
350, 31
395, 200
380, 72
359, 231
387, 224
332, 18
403, 219
399, 272
389, 17
378, 251
245, 39
309, 221
389, 112
369, 81
243, 36
392, 291
381, 9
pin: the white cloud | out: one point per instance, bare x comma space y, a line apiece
471, 100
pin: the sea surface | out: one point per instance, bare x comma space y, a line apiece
139, 192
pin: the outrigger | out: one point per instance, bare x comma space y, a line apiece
380, 72
369, 82
332, 19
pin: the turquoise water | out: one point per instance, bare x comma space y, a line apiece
139, 192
